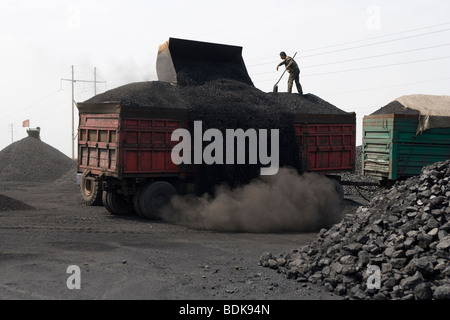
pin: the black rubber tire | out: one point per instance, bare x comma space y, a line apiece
105, 202
116, 204
136, 202
91, 191
154, 197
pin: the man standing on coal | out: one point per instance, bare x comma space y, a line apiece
294, 72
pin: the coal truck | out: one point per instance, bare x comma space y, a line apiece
125, 135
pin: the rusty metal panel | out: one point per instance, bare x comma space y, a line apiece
97, 143
146, 146
327, 147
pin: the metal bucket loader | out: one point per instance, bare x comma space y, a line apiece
189, 62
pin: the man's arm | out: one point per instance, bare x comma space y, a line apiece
281, 63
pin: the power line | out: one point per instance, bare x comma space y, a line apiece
31, 105
376, 67
364, 58
377, 43
378, 37
390, 86
362, 40
378, 56
368, 68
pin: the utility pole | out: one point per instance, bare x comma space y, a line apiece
73, 80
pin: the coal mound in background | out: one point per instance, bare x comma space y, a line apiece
404, 231
224, 104
33, 160
10, 204
396, 107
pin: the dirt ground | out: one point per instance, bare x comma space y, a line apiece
133, 258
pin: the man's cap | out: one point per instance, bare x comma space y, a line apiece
282, 53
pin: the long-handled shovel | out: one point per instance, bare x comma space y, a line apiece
275, 87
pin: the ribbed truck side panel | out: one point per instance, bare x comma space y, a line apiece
392, 150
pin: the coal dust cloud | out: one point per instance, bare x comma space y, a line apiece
285, 202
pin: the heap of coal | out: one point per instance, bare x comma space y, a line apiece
163, 94
404, 231
10, 204
33, 160
227, 104
396, 107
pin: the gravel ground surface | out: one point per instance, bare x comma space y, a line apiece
132, 258
45, 228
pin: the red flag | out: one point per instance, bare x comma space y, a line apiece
26, 123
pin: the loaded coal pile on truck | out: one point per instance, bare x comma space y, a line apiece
33, 160
225, 104
212, 83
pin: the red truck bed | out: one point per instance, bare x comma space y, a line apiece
136, 142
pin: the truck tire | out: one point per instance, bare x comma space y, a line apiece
116, 204
105, 202
137, 202
91, 191
154, 197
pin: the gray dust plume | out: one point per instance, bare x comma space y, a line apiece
285, 202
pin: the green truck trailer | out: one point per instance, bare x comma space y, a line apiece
399, 144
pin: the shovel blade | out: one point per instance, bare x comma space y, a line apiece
275, 88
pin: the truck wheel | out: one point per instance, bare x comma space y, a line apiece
105, 202
91, 191
137, 202
116, 204
154, 197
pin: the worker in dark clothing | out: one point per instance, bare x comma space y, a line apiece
293, 70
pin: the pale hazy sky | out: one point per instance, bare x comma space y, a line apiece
357, 54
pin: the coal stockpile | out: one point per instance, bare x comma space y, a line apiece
396, 107
10, 204
227, 104
163, 94
33, 160
305, 104
144, 94
403, 233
